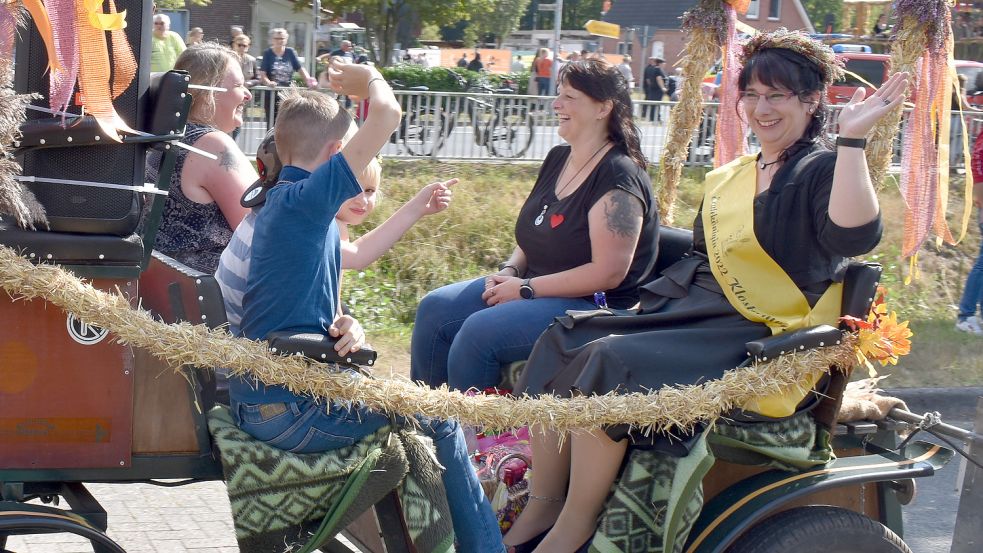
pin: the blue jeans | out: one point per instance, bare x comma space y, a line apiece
973, 291
308, 427
459, 340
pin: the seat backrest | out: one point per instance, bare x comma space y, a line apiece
175, 293
674, 243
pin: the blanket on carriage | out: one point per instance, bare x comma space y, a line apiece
659, 496
282, 501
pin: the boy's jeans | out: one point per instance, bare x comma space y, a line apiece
308, 427
973, 291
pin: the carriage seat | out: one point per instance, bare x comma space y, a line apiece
69, 248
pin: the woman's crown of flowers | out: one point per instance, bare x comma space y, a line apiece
818, 53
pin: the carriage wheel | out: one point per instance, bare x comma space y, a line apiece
40, 520
819, 529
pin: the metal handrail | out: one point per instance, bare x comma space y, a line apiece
461, 145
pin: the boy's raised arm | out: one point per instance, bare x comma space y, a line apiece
365, 81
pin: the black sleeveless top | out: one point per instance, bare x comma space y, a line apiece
193, 233
562, 240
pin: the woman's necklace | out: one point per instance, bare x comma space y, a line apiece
764, 165
542, 214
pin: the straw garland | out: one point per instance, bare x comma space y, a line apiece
702, 50
909, 45
671, 408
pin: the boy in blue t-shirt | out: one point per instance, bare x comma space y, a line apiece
293, 285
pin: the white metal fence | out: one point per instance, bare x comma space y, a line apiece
508, 127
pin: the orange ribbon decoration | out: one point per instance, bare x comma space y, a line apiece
95, 74
740, 6
124, 63
40, 16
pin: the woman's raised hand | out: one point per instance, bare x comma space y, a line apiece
860, 115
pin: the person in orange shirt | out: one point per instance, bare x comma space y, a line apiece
544, 70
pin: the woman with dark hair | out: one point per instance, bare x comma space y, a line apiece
769, 253
202, 207
476, 64
589, 225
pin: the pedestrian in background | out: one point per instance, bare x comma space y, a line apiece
654, 86
195, 35
968, 319
517, 65
165, 46
277, 68
625, 68
240, 45
476, 64
543, 69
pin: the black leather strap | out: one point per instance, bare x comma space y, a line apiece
851, 142
799, 340
318, 347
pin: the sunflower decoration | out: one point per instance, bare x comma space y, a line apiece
880, 337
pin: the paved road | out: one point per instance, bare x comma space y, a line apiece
196, 518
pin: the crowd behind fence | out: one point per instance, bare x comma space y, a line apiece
471, 126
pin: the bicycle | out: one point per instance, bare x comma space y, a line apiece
503, 125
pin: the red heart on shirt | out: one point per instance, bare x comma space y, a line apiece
556, 219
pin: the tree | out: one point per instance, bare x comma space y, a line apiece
575, 14
818, 11
179, 4
578, 12
498, 19
382, 16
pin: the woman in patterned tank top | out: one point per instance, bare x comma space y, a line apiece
202, 207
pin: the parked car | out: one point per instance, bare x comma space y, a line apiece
974, 80
872, 67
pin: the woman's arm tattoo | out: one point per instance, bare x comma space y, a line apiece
228, 160
624, 214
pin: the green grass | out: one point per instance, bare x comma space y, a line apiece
476, 233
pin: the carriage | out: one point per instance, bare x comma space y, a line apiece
77, 406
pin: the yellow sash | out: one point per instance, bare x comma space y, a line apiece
754, 284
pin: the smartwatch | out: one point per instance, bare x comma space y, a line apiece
526, 290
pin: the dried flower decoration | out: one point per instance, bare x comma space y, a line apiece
708, 14
932, 16
818, 53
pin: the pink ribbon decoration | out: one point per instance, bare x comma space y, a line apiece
9, 18
730, 136
62, 83
920, 178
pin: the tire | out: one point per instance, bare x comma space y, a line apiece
819, 529
510, 134
423, 131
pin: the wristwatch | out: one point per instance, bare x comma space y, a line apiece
526, 290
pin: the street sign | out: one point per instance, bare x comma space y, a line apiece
603, 28
547, 7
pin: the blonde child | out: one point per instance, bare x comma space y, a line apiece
432, 198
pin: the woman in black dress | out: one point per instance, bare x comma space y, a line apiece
797, 210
